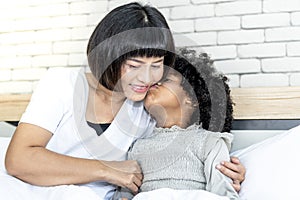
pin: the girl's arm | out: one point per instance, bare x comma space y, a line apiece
29, 160
217, 182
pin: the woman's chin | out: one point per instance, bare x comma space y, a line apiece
137, 96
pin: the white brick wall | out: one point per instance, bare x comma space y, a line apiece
265, 80
241, 37
220, 52
5, 75
281, 6
295, 18
293, 49
240, 66
217, 23
283, 34
281, 64
192, 11
27, 74
169, 3
238, 8
266, 20
233, 80
295, 79
196, 39
87, 7
15, 87
182, 26
50, 61
262, 50
256, 43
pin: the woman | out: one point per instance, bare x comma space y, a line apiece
56, 142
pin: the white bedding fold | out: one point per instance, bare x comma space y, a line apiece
170, 194
14, 189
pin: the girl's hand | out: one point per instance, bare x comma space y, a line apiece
125, 174
234, 170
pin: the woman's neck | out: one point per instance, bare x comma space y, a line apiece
103, 104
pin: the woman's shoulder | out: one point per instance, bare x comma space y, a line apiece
60, 84
64, 74
63, 79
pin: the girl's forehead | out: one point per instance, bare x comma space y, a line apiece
173, 72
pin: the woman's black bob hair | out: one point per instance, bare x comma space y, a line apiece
208, 90
131, 30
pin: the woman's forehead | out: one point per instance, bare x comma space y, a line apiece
144, 59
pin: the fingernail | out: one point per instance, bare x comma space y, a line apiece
218, 166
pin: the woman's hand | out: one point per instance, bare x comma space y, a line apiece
125, 174
234, 170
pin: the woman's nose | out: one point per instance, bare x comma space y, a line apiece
145, 75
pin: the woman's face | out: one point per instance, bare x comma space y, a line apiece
169, 96
138, 74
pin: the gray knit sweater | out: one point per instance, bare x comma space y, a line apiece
184, 159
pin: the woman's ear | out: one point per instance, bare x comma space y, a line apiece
188, 101
191, 103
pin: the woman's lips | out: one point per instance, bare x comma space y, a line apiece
139, 89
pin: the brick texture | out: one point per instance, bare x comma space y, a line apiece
255, 43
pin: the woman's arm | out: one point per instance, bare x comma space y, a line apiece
29, 160
234, 170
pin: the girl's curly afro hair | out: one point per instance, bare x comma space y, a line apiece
208, 90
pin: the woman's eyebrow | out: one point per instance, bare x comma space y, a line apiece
139, 61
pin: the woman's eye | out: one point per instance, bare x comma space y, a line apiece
132, 66
156, 66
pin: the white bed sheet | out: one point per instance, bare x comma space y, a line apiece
14, 189
170, 194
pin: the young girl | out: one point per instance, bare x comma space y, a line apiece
182, 154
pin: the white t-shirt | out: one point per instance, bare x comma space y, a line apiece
59, 105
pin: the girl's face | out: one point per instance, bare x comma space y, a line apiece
138, 74
170, 96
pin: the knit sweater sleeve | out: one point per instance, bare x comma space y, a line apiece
122, 193
216, 151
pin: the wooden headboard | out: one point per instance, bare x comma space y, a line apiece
250, 103
266, 103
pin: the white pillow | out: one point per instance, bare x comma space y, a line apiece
4, 142
272, 168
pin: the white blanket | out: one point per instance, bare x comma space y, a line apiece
14, 189
170, 194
